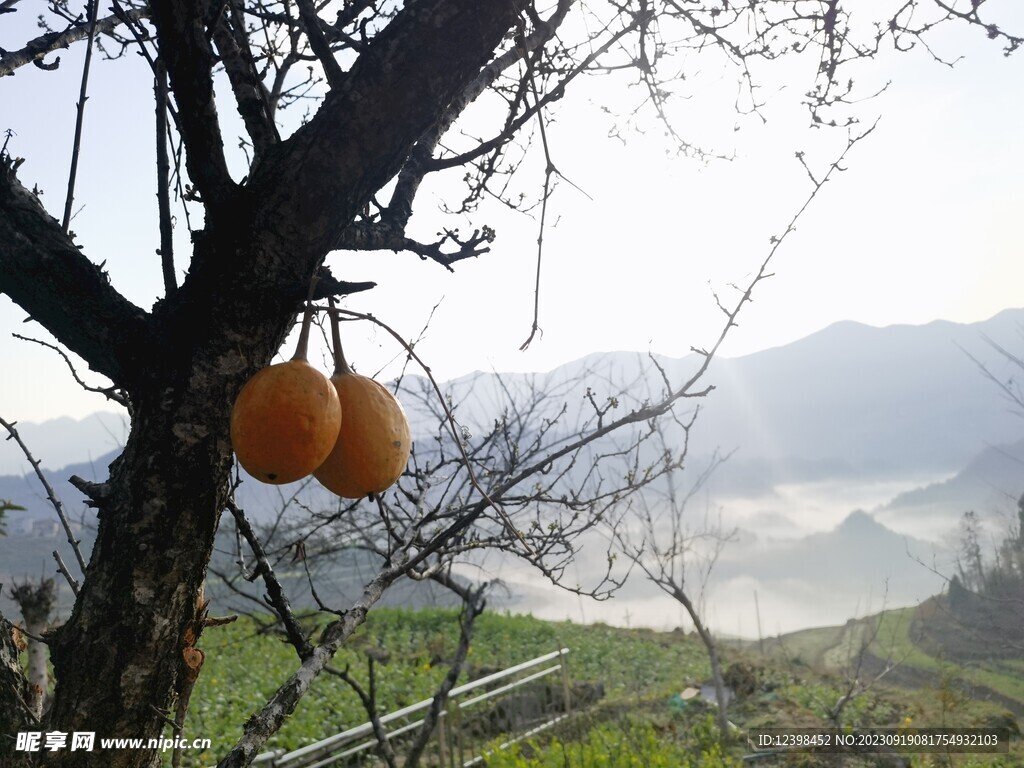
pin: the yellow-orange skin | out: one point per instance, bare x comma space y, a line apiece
373, 444
285, 422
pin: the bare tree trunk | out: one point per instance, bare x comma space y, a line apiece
722, 716
158, 517
36, 602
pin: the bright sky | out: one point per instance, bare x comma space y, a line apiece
925, 224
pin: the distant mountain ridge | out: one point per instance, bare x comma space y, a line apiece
877, 399
859, 564
850, 400
990, 484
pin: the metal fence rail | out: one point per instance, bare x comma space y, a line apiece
451, 745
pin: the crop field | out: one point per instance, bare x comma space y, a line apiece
243, 668
641, 720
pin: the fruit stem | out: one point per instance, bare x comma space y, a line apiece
340, 364
302, 348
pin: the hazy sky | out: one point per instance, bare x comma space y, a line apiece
924, 224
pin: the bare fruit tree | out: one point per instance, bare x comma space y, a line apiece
675, 549
388, 86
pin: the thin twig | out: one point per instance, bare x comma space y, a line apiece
450, 422
473, 604
275, 591
163, 180
71, 580
549, 170
80, 119
111, 393
369, 701
50, 493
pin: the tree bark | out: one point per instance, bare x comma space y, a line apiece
36, 602
722, 715
15, 697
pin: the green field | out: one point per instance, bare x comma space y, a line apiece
243, 668
639, 721
889, 642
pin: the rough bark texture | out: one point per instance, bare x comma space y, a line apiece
36, 601
15, 696
118, 658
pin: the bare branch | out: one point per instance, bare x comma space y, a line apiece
369, 701
318, 43
251, 95
399, 209
111, 393
163, 184
278, 601
449, 422
83, 95
36, 50
317, 160
186, 51
269, 719
374, 236
553, 94
45, 273
473, 605
549, 170
62, 567
50, 493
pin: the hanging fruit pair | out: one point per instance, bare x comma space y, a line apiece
285, 420
290, 421
373, 444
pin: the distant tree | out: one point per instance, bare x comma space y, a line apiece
957, 593
36, 601
1012, 549
5, 507
674, 547
985, 599
388, 86
970, 567
985, 595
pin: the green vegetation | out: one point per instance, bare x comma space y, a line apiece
641, 721
632, 743
637, 724
5, 507
243, 668
894, 640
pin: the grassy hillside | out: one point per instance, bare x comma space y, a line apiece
641, 720
893, 640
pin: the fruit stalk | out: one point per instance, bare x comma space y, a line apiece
302, 348
340, 364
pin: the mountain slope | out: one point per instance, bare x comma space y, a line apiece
990, 484
899, 398
848, 399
